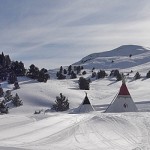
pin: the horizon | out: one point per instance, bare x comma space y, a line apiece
59, 33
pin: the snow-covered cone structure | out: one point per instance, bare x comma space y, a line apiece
123, 102
85, 106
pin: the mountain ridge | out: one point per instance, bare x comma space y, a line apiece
117, 58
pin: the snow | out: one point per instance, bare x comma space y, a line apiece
21, 129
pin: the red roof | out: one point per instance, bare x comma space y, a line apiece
124, 90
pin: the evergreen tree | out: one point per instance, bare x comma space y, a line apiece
18, 68
61, 70
16, 85
84, 84
65, 71
43, 75
3, 107
1, 91
8, 96
137, 76
93, 69
101, 74
16, 101
62, 103
114, 73
148, 75
84, 72
69, 70
60, 76
12, 78
78, 69
119, 77
73, 75
81, 67
33, 72
94, 74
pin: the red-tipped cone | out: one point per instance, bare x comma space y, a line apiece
123, 90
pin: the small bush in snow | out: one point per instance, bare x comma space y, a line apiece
93, 74
137, 76
84, 72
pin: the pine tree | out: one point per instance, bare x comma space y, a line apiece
16, 85
73, 75
101, 74
33, 72
3, 107
12, 78
65, 71
16, 101
93, 74
61, 70
8, 96
62, 103
43, 75
119, 77
137, 76
69, 70
84, 84
84, 72
1, 91
148, 75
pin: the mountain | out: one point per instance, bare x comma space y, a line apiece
120, 58
22, 129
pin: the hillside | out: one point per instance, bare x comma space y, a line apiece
117, 58
21, 129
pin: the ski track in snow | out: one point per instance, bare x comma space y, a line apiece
79, 131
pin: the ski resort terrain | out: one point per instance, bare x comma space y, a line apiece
22, 129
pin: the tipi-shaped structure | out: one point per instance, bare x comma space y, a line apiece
123, 102
85, 106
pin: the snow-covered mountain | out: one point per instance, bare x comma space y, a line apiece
120, 58
21, 129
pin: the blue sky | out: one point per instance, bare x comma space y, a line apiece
50, 33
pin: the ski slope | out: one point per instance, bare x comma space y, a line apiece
21, 129
74, 131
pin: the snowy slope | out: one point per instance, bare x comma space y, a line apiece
21, 129
119, 56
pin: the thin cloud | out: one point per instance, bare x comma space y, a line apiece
68, 29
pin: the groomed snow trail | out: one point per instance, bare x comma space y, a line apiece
76, 131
